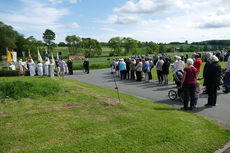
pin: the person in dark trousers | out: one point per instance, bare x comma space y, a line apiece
86, 65
70, 66
138, 69
207, 57
127, 62
188, 83
213, 79
165, 69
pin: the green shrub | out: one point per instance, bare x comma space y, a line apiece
4, 73
23, 89
92, 66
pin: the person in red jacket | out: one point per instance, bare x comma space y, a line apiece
197, 63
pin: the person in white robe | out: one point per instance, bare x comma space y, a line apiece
31, 65
21, 67
40, 68
47, 67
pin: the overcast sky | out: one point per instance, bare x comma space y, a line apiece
144, 20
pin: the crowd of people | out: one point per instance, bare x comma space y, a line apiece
140, 68
42, 69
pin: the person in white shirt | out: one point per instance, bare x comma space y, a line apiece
47, 63
40, 68
178, 65
31, 67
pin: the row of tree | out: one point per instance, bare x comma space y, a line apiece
76, 45
91, 47
11, 39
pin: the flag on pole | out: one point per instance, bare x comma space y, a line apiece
47, 56
39, 57
57, 57
52, 61
14, 56
10, 57
30, 57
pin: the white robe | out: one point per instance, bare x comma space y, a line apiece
66, 68
40, 69
47, 67
32, 69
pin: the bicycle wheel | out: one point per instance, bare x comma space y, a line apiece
172, 94
182, 97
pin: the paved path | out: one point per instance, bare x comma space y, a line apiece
152, 91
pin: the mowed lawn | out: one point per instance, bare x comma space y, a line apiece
78, 117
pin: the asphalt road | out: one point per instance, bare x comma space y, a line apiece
158, 93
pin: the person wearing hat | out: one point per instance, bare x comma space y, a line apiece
122, 68
227, 75
212, 77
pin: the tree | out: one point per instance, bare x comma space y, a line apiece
130, 46
73, 43
162, 48
61, 44
152, 47
48, 37
91, 47
11, 39
115, 45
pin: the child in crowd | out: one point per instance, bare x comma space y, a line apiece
197, 93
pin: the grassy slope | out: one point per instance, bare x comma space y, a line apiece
86, 118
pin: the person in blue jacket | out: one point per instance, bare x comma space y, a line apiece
122, 68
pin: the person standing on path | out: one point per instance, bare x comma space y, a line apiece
70, 66
86, 65
132, 68
127, 62
227, 75
159, 65
122, 68
165, 69
146, 69
62, 67
213, 79
188, 84
197, 64
138, 69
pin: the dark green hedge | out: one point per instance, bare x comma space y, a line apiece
5, 73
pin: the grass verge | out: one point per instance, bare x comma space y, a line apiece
86, 118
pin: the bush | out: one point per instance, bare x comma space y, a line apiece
22, 89
4, 73
92, 66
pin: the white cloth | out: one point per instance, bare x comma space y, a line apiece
32, 68
66, 68
40, 69
178, 65
20, 65
139, 67
12, 67
47, 67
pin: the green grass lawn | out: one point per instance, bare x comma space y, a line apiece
78, 117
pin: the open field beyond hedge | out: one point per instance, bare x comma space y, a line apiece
77, 117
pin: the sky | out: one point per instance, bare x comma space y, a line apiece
161, 21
